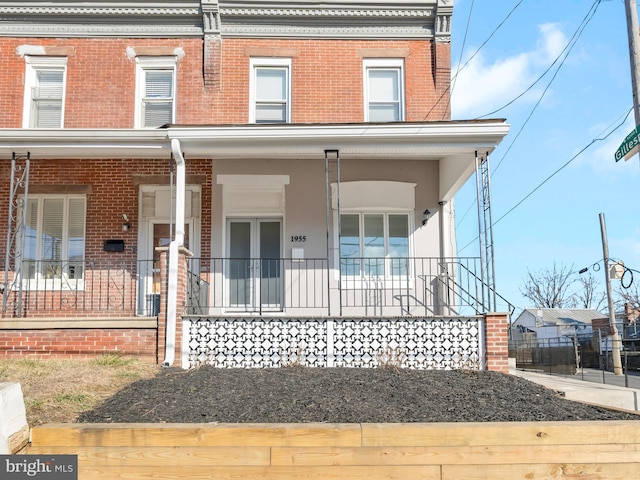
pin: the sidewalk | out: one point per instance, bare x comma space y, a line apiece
587, 387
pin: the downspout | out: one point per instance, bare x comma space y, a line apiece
174, 247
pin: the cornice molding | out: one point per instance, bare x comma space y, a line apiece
326, 32
325, 12
232, 18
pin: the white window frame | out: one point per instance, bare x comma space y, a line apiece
388, 273
397, 64
33, 65
275, 63
62, 279
148, 64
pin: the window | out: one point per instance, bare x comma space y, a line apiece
156, 87
54, 237
374, 244
270, 90
44, 92
384, 90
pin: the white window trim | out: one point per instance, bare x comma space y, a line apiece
268, 62
33, 63
63, 282
360, 280
390, 63
153, 63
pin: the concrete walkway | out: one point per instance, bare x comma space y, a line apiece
587, 387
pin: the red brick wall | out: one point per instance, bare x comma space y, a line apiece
497, 342
181, 304
114, 193
83, 343
326, 79
101, 81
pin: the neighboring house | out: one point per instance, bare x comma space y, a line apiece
242, 183
555, 325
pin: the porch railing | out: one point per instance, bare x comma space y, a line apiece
353, 286
350, 287
88, 288
253, 284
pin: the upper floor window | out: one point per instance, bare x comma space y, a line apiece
270, 90
384, 90
44, 91
54, 236
155, 91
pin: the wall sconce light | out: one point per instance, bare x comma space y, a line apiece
425, 216
126, 224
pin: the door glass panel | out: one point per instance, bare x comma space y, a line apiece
239, 263
254, 264
269, 263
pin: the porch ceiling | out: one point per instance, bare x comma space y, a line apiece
452, 143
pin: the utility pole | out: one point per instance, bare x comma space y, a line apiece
634, 53
615, 336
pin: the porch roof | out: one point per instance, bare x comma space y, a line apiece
453, 143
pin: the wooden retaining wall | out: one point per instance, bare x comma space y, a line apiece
436, 451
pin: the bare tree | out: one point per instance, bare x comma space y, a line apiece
549, 288
630, 296
590, 295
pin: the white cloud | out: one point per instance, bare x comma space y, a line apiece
483, 86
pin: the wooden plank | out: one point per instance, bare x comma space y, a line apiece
479, 455
607, 471
155, 456
259, 473
19, 439
277, 434
501, 433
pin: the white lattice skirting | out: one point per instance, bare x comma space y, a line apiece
419, 343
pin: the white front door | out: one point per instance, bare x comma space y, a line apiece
254, 265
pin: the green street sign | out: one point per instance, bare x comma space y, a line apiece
629, 146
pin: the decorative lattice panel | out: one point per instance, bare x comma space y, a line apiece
447, 344
261, 343
419, 343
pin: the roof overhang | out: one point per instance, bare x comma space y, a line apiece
48, 144
454, 144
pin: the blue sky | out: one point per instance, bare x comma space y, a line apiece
550, 124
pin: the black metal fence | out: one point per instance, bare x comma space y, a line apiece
91, 287
582, 357
389, 286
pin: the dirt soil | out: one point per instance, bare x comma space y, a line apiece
299, 394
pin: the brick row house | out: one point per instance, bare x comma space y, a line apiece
239, 182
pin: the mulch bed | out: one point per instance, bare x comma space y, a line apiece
339, 395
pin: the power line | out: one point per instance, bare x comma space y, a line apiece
598, 139
570, 44
449, 88
564, 54
464, 42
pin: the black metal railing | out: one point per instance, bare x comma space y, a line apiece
389, 286
257, 284
90, 287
